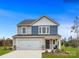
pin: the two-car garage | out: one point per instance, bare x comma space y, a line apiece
28, 43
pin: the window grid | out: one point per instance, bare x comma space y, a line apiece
43, 30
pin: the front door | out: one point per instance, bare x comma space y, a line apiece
47, 44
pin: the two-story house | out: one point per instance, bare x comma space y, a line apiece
39, 33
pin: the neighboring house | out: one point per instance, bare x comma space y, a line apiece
40, 33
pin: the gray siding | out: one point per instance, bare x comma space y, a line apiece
53, 30
34, 30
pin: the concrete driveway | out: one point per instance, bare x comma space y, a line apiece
23, 54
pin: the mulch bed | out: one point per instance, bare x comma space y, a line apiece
59, 53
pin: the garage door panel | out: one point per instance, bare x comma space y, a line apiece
29, 44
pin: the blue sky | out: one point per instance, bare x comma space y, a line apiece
14, 11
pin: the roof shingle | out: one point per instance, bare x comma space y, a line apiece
26, 22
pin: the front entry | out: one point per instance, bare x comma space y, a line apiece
47, 44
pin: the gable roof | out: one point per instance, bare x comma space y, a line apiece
47, 18
28, 22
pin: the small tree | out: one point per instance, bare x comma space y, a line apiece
3, 41
75, 29
9, 42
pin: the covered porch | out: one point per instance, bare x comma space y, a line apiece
52, 42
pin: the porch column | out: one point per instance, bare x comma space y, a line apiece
51, 44
59, 44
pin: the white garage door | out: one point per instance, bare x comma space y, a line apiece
28, 44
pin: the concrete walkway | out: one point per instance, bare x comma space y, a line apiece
23, 54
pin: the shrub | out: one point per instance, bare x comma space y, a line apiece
52, 51
57, 51
62, 50
46, 51
9, 48
67, 52
14, 47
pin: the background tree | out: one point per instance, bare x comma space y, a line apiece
9, 42
75, 29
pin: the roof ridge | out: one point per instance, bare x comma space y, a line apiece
32, 21
51, 19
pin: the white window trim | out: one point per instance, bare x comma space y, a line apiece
49, 29
28, 30
39, 30
20, 30
42, 30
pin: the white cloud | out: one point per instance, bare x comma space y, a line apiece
65, 30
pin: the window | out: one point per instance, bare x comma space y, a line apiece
53, 41
44, 30
19, 30
48, 30
40, 30
28, 30
24, 30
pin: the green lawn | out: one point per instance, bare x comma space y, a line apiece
4, 50
74, 53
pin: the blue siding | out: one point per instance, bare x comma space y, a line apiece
34, 30
53, 30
